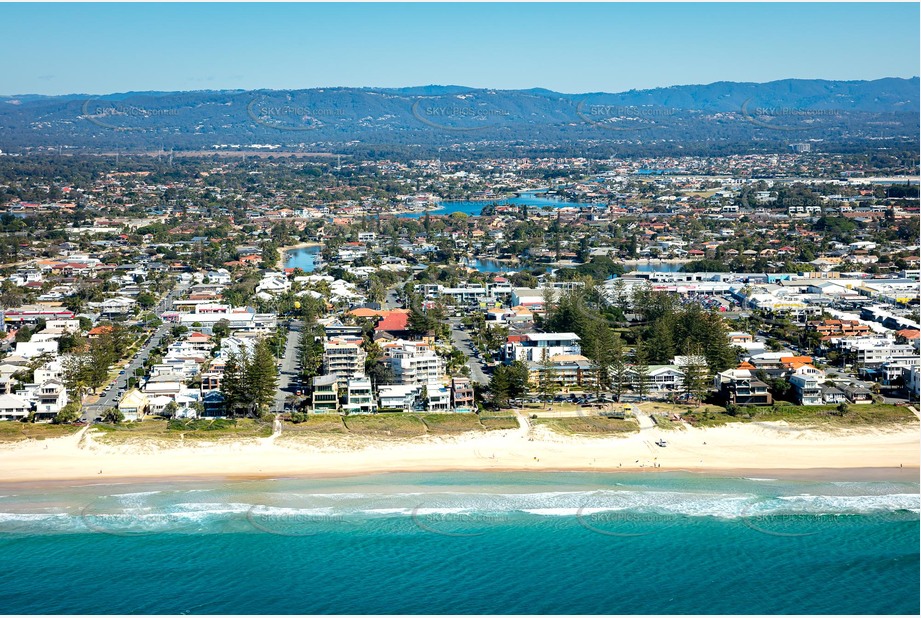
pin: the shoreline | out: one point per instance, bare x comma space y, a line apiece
788, 474
767, 450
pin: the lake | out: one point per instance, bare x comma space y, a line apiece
475, 208
303, 258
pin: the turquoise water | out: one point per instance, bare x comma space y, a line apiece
556, 543
531, 200
303, 258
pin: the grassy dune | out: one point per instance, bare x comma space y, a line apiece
14, 431
588, 425
866, 415
204, 429
397, 425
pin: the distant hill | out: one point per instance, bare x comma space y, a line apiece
718, 118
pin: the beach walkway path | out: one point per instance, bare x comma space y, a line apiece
644, 420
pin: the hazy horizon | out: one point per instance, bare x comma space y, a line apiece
567, 48
419, 86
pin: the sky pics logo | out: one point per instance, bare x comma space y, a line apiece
624, 118
461, 113
289, 115
780, 118
120, 116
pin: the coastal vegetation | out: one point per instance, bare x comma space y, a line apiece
593, 425
397, 425
181, 429
827, 416
15, 432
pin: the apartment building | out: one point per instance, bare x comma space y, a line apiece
568, 372
832, 329
344, 358
535, 347
414, 362
873, 351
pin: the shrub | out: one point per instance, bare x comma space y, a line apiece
113, 415
68, 414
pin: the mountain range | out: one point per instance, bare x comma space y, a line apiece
718, 118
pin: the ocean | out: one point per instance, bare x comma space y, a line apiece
463, 543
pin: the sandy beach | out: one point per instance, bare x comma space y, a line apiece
739, 447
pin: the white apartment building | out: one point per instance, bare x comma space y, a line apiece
873, 352
414, 363
344, 358
535, 347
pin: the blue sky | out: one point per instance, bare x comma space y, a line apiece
103, 48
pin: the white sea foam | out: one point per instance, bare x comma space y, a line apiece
156, 511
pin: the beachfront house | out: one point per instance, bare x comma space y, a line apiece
359, 397
325, 393
437, 398
462, 395
857, 394
808, 389
13, 408
51, 397
741, 387
133, 405
398, 397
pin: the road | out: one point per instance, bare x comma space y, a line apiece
111, 397
462, 342
390, 300
287, 373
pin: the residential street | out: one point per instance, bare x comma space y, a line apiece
287, 373
111, 398
461, 341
